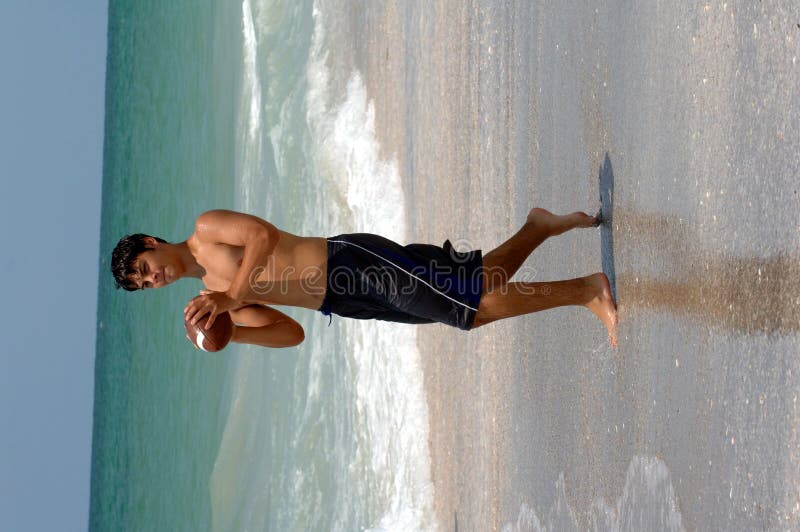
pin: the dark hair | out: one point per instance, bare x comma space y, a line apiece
123, 257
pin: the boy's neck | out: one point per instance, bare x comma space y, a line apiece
191, 267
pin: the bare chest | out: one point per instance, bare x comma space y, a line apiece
221, 263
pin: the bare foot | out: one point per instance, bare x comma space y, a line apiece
603, 305
556, 224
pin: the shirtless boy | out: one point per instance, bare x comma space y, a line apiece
246, 263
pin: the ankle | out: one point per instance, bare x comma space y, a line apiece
588, 289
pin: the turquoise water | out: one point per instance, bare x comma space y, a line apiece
247, 106
168, 156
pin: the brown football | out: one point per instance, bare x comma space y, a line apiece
213, 339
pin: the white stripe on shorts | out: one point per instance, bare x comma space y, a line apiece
407, 272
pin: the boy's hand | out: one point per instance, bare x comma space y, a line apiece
209, 302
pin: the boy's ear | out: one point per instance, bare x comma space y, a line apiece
150, 242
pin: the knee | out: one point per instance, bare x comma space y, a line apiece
477, 322
485, 313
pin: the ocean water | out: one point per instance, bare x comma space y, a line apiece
251, 106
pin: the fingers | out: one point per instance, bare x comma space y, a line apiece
197, 308
193, 316
208, 302
212, 317
189, 310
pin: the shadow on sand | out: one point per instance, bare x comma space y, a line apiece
740, 294
744, 295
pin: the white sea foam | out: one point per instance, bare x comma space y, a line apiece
250, 127
647, 502
365, 395
391, 415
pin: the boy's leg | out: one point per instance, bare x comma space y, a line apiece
501, 263
515, 299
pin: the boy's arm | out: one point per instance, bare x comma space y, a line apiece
265, 326
258, 238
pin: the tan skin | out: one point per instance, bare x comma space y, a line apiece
224, 250
246, 263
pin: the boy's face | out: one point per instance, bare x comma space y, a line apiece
154, 268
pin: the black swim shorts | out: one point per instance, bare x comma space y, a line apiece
371, 277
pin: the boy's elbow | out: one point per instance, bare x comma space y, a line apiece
299, 336
293, 337
263, 233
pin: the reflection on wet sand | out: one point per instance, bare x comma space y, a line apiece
741, 294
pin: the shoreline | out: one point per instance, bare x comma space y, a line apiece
469, 452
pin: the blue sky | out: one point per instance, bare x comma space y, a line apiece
52, 56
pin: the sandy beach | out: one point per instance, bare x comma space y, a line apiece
686, 120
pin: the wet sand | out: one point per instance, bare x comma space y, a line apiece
687, 121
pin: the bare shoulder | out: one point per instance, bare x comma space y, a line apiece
229, 227
221, 218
